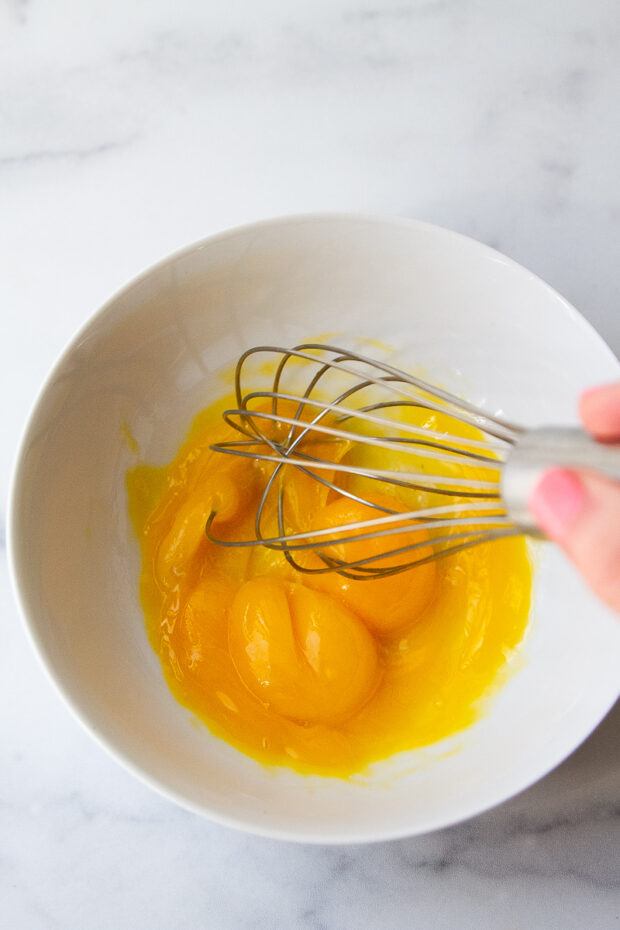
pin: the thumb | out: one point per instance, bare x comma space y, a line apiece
581, 512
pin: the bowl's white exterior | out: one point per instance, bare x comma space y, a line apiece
149, 360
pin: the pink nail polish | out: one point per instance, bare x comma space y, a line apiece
556, 502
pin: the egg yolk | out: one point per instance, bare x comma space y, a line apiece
385, 604
317, 671
301, 653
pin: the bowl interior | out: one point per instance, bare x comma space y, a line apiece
152, 358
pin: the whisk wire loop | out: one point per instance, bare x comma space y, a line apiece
309, 408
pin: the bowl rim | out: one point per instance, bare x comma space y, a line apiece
30, 627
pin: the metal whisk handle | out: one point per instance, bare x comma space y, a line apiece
550, 447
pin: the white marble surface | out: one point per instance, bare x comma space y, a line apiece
130, 129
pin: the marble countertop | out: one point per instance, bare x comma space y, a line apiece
130, 129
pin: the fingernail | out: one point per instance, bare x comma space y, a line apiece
556, 502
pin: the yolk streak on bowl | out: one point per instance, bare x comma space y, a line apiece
320, 673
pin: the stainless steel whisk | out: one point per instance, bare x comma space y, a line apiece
322, 393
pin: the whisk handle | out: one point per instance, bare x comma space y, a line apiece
550, 447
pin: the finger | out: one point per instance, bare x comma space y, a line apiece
600, 411
581, 512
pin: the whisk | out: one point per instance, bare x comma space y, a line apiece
468, 473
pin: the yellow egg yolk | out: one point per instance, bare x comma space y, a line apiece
384, 604
319, 672
302, 654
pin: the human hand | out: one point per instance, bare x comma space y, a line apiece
580, 510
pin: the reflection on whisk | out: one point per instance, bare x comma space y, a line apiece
323, 433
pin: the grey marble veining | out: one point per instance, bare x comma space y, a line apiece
128, 130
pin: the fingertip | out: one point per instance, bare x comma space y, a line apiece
590, 399
599, 409
556, 502
596, 390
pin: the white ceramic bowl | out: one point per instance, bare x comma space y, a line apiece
149, 360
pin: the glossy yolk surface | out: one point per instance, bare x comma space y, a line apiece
319, 672
385, 604
302, 654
